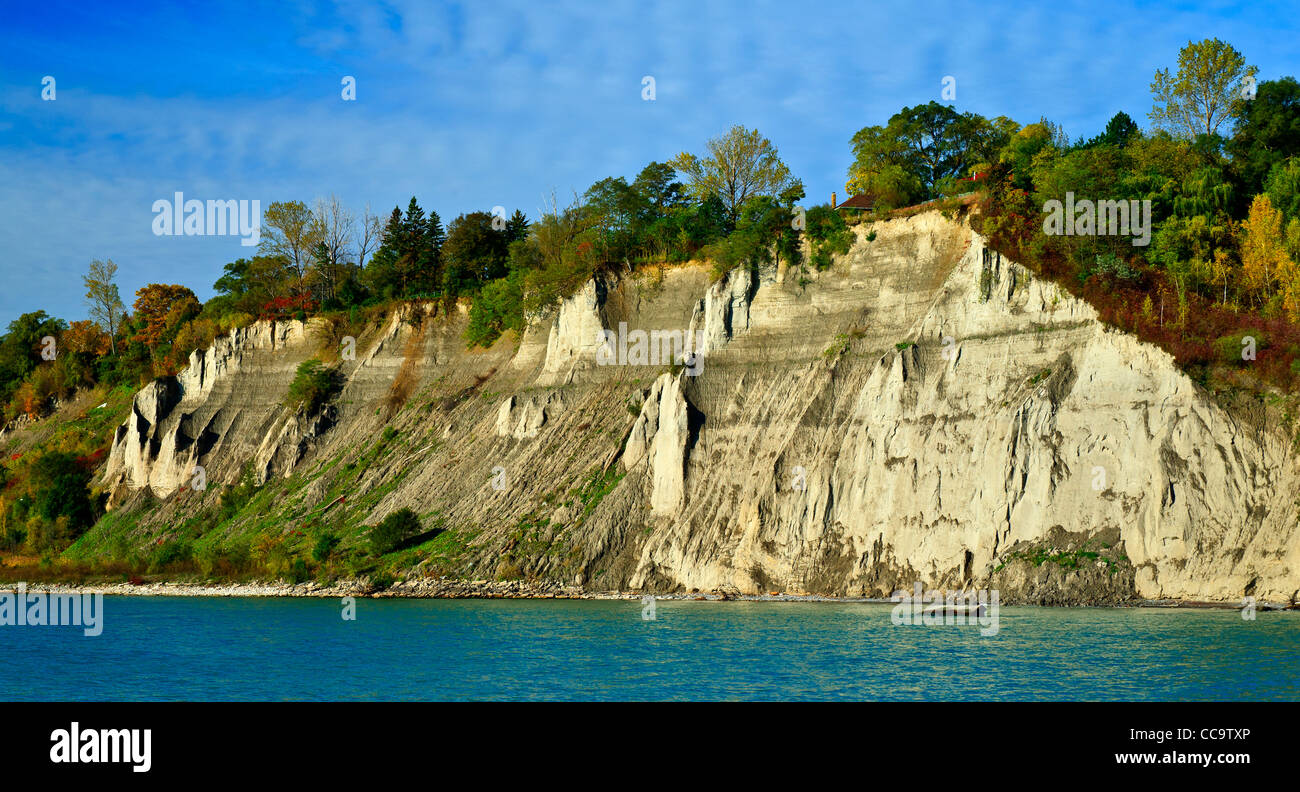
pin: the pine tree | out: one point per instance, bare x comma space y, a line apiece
516, 227
411, 248
381, 272
430, 254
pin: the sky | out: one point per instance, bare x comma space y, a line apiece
476, 105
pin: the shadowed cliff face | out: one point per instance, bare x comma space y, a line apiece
924, 410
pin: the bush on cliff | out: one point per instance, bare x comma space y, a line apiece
312, 386
393, 530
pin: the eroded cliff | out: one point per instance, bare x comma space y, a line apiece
923, 410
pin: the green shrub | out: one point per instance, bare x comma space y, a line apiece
324, 548
393, 530
61, 487
498, 307
234, 498
828, 235
1228, 349
297, 572
170, 553
313, 385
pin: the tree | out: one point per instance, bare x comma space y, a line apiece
985, 138
1283, 187
82, 343
20, 348
430, 242
56, 505
1022, 148
614, 209
248, 284
658, 187
61, 488
474, 253
160, 309
516, 227
497, 307
1204, 93
394, 529
1204, 192
1120, 129
409, 259
293, 232
740, 164
369, 233
566, 258
86, 337
381, 273
905, 160
1264, 261
106, 306
335, 226
1268, 131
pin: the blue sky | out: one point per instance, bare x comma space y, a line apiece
470, 106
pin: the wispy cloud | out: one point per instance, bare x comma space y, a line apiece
472, 105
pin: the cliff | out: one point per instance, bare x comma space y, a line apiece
923, 410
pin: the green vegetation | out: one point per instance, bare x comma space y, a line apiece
594, 490
839, 347
393, 530
1221, 173
922, 151
312, 386
828, 236
735, 206
1069, 560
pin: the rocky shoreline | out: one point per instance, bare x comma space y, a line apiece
442, 588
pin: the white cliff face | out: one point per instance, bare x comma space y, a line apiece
923, 410
215, 410
724, 311
576, 335
1016, 413
522, 417
659, 438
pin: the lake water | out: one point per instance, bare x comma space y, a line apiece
192, 648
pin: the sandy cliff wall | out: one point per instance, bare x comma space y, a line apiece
924, 410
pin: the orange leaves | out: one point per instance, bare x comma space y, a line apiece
86, 337
162, 308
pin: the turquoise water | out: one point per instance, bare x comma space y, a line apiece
190, 648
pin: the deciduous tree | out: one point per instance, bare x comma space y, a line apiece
1205, 91
293, 232
1264, 261
735, 167
105, 303
159, 311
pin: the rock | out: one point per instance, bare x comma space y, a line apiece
522, 417
913, 413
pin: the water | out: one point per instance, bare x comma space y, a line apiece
191, 648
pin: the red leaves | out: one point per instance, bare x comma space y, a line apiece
285, 307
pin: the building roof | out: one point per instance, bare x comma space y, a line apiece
864, 201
